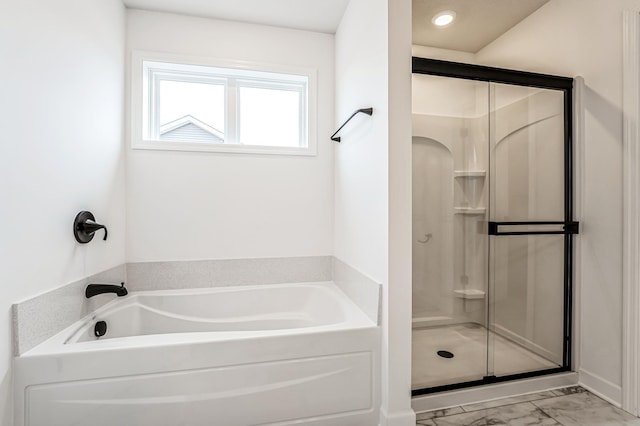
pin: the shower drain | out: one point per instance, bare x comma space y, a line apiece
445, 354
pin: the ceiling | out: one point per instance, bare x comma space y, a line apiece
477, 23
313, 15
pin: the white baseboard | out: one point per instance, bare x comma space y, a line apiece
606, 390
400, 418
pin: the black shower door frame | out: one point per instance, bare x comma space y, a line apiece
570, 227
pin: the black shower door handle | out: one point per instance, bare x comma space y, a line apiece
569, 227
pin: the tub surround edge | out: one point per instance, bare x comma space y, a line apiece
42, 316
227, 272
37, 319
362, 290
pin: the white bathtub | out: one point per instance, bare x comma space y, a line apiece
270, 354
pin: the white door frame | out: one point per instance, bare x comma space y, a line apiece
631, 214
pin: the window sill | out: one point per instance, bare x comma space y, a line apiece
223, 148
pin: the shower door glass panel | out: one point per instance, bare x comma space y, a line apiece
527, 147
526, 254
450, 140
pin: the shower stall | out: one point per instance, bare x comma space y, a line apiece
492, 225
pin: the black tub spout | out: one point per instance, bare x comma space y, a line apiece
95, 289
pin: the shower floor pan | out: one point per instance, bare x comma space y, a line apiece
468, 345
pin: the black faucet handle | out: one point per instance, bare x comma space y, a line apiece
90, 227
84, 227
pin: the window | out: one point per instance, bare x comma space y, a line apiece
201, 105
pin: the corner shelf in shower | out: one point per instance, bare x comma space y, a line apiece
469, 294
469, 210
469, 173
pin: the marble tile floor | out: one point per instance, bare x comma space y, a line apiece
468, 342
573, 406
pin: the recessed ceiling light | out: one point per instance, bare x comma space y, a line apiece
443, 19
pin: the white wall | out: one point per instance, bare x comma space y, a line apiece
584, 37
373, 177
187, 206
397, 335
361, 160
61, 115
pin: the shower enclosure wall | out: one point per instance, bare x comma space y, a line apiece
492, 224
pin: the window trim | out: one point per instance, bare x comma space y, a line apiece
140, 94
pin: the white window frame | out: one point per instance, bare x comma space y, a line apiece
247, 74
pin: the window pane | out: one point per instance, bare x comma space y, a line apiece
193, 112
269, 117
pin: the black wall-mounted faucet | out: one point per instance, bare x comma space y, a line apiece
95, 289
84, 226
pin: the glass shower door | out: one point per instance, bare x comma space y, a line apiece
492, 225
529, 231
450, 139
